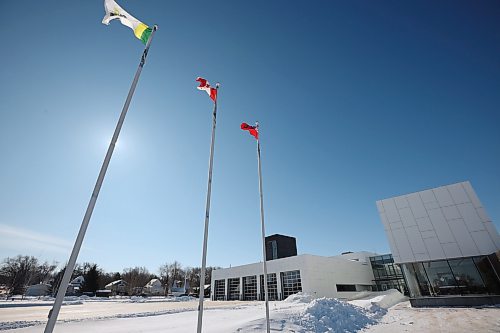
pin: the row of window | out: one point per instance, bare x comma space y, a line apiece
384, 259
291, 283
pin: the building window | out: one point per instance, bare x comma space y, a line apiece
440, 277
272, 287
250, 288
419, 272
274, 246
487, 272
346, 287
363, 287
461, 276
290, 283
233, 293
467, 277
219, 292
388, 275
470, 275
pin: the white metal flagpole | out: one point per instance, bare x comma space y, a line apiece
54, 312
266, 295
207, 218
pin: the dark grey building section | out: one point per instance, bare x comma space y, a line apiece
280, 246
458, 301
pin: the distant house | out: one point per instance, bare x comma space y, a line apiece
41, 289
75, 286
78, 281
118, 287
196, 291
154, 287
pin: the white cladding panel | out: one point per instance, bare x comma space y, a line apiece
444, 222
319, 275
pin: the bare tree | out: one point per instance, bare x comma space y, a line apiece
136, 278
171, 273
19, 272
208, 273
165, 276
193, 277
56, 280
44, 272
178, 274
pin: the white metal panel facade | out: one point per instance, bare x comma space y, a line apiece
319, 275
441, 223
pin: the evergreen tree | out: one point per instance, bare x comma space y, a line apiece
92, 277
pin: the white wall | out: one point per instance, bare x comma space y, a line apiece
444, 222
319, 275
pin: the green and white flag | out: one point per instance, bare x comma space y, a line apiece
114, 11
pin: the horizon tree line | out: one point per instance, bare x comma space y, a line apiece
20, 272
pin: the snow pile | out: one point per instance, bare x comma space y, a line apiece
378, 305
66, 298
71, 300
181, 299
18, 324
332, 315
137, 299
299, 297
391, 298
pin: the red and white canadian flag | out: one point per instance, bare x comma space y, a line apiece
253, 130
204, 85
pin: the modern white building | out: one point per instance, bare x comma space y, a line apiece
443, 240
339, 276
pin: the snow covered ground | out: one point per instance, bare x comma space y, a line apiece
373, 313
403, 318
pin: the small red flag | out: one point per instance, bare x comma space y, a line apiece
253, 130
204, 85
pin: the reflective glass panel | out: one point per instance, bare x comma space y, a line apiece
220, 290
440, 277
233, 289
250, 288
290, 283
490, 279
272, 287
417, 269
467, 276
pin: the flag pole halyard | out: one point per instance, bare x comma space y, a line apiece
263, 230
207, 218
54, 312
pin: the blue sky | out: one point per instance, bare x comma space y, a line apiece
357, 100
